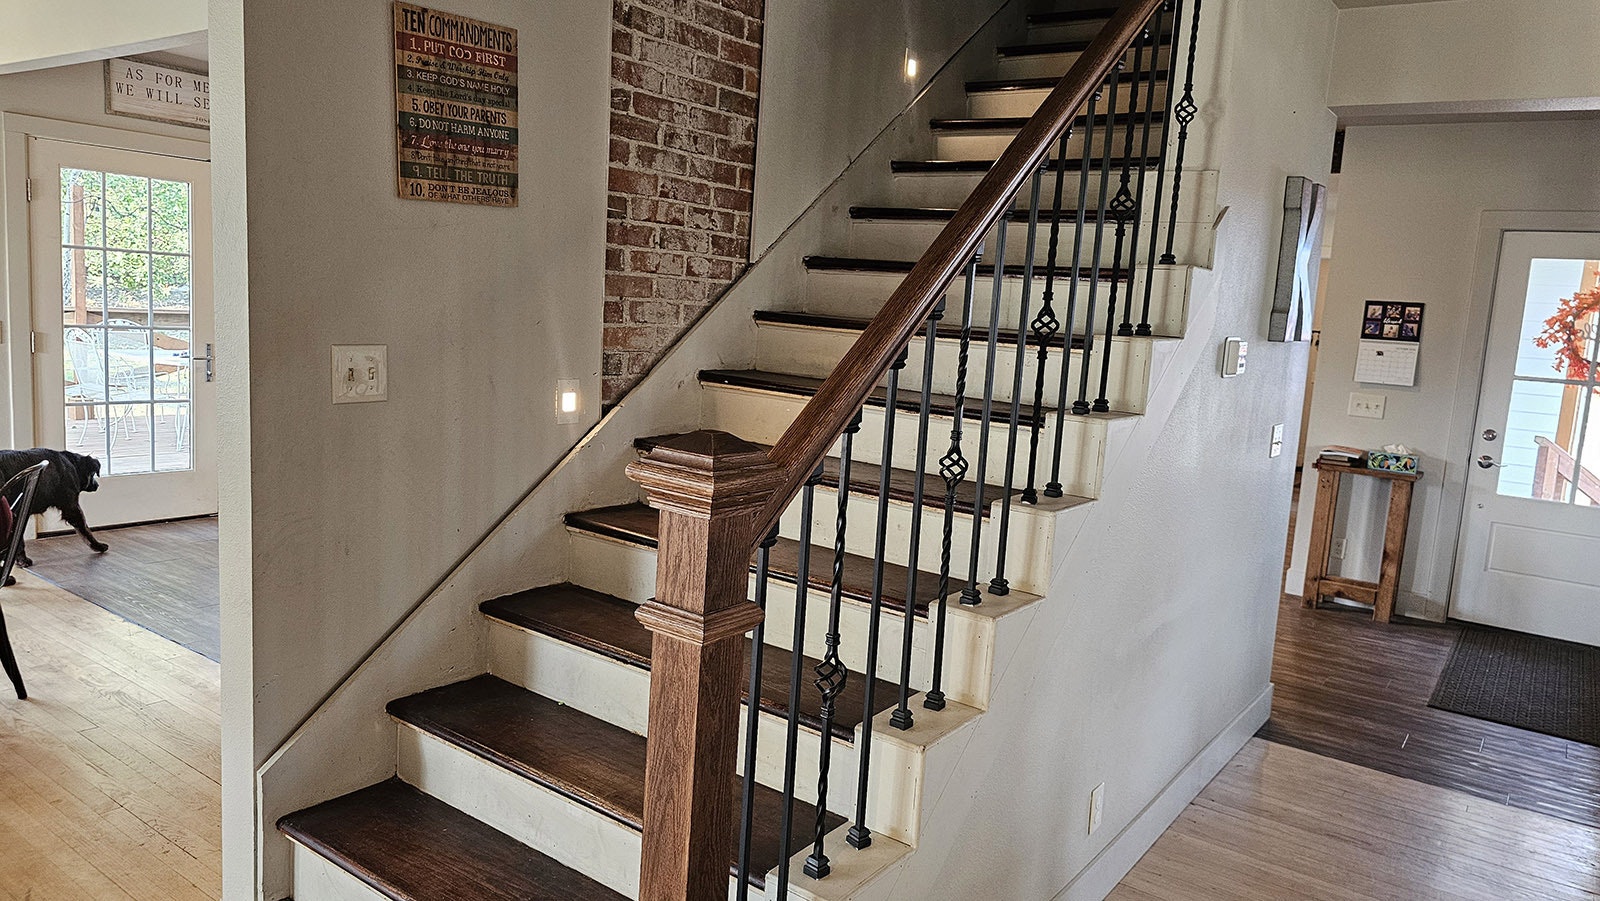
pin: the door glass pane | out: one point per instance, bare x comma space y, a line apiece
1547, 427
126, 284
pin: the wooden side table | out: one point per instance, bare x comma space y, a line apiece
1380, 594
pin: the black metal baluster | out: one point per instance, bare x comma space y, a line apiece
1123, 208
796, 680
1045, 325
860, 836
1053, 489
1080, 407
953, 468
1126, 328
831, 672
902, 718
1185, 112
998, 585
747, 807
970, 595
1143, 327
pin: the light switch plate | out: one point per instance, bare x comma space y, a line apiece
360, 373
1276, 448
1367, 406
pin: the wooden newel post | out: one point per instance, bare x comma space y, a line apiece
708, 487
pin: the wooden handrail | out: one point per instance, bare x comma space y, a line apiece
1554, 465
813, 432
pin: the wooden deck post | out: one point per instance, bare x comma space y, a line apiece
708, 487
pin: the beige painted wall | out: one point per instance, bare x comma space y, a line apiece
339, 519
37, 34
1466, 57
1412, 199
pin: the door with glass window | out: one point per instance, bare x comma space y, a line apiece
1529, 555
122, 312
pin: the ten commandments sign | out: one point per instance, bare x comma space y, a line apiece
456, 103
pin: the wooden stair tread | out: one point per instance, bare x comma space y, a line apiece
969, 167
910, 399
1015, 123
409, 845
865, 479
1007, 337
945, 214
606, 625
636, 523
1045, 83
900, 267
584, 758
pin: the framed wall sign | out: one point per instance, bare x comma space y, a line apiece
160, 93
1299, 260
456, 108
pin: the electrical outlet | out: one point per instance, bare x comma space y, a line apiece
1366, 406
1097, 806
1337, 551
1276, 447
360, 373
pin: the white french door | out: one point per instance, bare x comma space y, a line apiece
1530, 536
123, 317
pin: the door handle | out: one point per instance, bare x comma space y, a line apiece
209, 360
1487, 462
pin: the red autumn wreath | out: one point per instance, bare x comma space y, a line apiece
1565, 331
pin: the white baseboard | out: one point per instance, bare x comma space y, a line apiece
1097, 880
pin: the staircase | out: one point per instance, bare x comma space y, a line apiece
529, 781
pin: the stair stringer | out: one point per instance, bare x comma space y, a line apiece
349, 741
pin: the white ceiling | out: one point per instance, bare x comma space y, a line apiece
1354, 4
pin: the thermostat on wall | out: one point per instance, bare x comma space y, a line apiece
1234, 351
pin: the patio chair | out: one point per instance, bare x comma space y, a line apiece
17, 496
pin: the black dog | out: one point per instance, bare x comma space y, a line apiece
59, 485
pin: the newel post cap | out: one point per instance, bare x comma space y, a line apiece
706, 473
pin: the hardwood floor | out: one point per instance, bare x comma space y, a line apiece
1358, 691
109, 772
1281, 823
161, 576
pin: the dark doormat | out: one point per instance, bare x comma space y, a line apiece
1526, 681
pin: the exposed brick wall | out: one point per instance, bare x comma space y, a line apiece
685, 77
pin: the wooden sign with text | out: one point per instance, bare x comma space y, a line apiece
456, 106
160, 93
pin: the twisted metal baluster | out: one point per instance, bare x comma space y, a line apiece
796, 680
1122, 208
1045, 325
831, 671
860, 836
1185, 111
1053, 489
970, 596
1161, 170
1080, 407
1126, 328
953, 468
901, 718
998, 585
747, 807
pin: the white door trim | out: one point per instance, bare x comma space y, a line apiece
1469, 380
18, 428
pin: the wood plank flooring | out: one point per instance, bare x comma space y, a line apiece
1358, 691
161, 576
1281, 823
110, 771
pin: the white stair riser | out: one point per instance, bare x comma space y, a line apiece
1196, 203
1025, 102
989, 144
1026, 568
317, 878
575, 835
629, 571
1069, 31
762, 416
1055, 65
907, 240
862, 294
891, 810
804, 350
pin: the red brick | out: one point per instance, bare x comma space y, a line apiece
715, 70
689, 141
627, 181
614, 258
616, 206
621, 42
711, 122
635, 129
684, 289
621, 99
751, 8
736, 151
652, 311
631, 337
691, 89
685, 190
694, 37
737, 102
686, 240
713, 170
629, 286
654, 159
658, 109
645, 21
621, 151
739, 53
629, 234
636, 75
729, 246
752, 82
670, 57
747, 177
752, 30
612, 311
649, 210
678, 8
716, 17
704, 267
655, 263
713, 220
732, 199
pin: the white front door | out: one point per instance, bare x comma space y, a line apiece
122, 312
1530, 539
